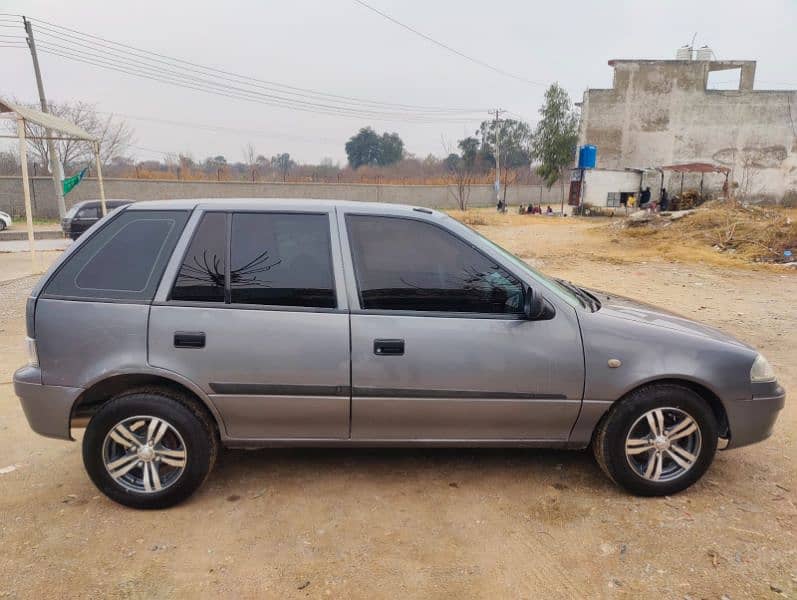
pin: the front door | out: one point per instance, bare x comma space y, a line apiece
440, 348
256, 320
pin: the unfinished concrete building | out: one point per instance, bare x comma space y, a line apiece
664, 112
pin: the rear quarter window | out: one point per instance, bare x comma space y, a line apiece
123, 261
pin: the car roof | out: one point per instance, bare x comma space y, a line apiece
109, 202
255, 204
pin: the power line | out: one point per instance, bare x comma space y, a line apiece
209, 127
449, 48
248, 96
67, 34
115, 62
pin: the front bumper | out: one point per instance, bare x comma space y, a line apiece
48, 408
752, 420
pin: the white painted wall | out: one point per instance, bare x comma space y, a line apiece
598, 183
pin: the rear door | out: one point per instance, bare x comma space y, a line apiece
255, 314
440, 349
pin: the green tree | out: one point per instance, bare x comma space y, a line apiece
452, 162
469, 147
283, 164
514, 144
391, 149
555, 138
363, 148
368, 148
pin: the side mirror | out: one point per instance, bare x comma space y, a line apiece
535, 307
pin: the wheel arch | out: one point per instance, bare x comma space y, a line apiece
101, 391
708, 395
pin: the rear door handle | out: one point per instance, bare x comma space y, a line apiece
189, 339
389, 347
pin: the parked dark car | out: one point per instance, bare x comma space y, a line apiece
84, 214
255, 323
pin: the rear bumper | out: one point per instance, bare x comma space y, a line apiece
752, 420
48, 408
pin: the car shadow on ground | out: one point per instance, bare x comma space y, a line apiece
560, 468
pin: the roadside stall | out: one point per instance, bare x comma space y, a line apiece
682, 202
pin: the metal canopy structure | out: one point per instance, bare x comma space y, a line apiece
68, 131
696, 167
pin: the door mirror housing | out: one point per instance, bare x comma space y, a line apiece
536, 307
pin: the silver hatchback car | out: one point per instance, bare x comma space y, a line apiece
173, 328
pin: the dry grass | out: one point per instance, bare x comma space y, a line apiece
723, 229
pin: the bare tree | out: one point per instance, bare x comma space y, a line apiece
250, 158
114, 134
749, 185
9, 163
459, 176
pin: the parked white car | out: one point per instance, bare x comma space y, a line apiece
5, 220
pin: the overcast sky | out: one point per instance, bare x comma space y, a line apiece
340, 47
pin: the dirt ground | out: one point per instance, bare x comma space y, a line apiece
430, 523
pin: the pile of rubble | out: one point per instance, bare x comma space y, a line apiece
752, 233
660, 219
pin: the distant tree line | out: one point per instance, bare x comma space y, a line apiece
372, 157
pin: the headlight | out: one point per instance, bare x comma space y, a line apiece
762, 370
33, 355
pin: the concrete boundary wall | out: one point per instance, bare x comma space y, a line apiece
433, 196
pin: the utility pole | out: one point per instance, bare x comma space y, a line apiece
499, 203
55, 166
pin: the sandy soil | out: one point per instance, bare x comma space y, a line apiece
429, 523
14, 265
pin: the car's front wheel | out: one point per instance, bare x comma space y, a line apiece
149, 448
657, 441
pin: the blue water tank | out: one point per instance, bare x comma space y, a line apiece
587, 156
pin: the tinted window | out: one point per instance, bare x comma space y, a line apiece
281, 259
403, 264
122, 261
90, 212
201, 276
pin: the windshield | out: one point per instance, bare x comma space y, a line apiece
568, 293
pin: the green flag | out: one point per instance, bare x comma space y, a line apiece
71, 182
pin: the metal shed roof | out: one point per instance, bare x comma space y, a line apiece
696, 167
47, 121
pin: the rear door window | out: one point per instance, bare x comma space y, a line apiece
123, 261
281, 259
202, 273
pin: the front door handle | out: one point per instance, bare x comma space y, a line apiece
189, 339
389, 347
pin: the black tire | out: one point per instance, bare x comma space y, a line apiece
197, 432
609, 440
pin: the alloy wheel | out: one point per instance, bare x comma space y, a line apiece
144, 454
663, 444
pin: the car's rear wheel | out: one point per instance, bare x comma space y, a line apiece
149, 448
657, 441
2, 225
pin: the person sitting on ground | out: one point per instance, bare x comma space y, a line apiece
549, 210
